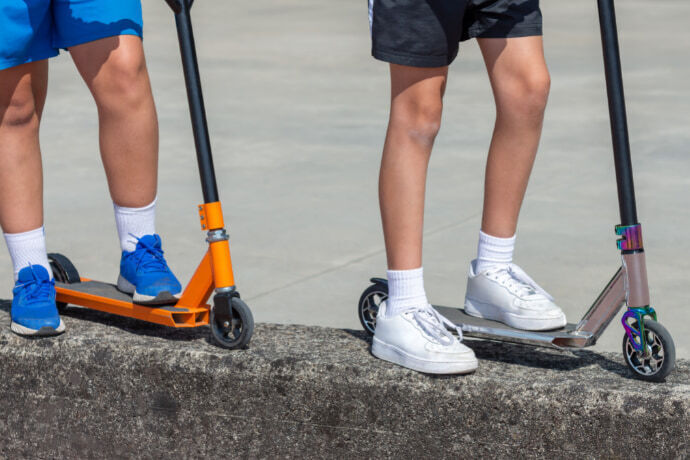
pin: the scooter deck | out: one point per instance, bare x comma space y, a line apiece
107, 298
493, 330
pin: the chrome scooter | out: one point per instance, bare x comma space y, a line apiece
647, 346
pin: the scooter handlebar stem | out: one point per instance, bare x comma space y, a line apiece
195, 99
617, 112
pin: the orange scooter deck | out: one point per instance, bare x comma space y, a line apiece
107, 298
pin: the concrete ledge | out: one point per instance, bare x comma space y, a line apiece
112, 387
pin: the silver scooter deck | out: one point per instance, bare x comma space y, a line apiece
566, 337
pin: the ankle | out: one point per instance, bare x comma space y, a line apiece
28, 248
493, 251
133, 223
405, 290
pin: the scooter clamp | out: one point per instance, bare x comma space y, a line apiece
217, 235
632, 237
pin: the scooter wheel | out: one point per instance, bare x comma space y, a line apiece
657, 362
369, 304
64, 271
236, 332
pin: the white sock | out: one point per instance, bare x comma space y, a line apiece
28, 248
492, 251
134, 221
405, 290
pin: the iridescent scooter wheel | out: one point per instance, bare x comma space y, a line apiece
658, 360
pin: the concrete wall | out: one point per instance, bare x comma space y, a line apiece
117, 388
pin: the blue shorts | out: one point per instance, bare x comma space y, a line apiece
32, 30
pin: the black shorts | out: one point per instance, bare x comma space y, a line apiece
427, 33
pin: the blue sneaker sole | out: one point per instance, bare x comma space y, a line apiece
162, 298
45, 331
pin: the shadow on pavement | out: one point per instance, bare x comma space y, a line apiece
534, 357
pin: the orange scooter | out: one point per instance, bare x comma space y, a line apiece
229, 318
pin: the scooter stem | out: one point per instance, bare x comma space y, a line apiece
617, 112
631, 247
195, 97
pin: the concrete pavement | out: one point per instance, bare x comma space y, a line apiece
298, 110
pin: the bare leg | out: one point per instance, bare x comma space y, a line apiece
22, 96
115, 71
520, 82
415, 118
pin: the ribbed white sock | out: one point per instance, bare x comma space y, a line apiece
28, 248
137, 221
493, 250
405, 290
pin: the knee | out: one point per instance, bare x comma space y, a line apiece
421, 121
19, 112
529, 94
125, 82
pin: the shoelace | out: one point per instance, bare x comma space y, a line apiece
515, 279
434, 324
36, 288
155, 261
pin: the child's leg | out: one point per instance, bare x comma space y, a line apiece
497, 289
520, 81
415, 118
419, 40
114, 69
22, 97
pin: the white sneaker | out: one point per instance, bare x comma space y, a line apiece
507, 294
418, 339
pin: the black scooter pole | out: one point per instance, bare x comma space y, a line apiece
195, 98
617, 113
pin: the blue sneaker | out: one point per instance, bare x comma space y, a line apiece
34, 311
144, 273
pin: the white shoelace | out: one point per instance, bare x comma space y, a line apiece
515, 279
434, 324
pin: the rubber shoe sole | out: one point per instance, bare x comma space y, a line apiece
397, 356
525, 323
45, 331
163, 297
